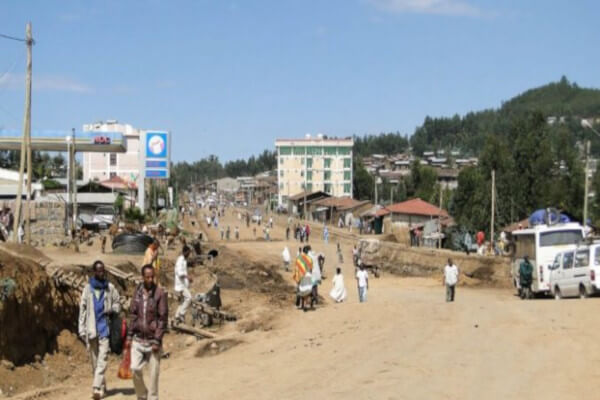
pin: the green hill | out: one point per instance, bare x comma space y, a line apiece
469, 132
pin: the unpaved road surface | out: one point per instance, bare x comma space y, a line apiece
406, 342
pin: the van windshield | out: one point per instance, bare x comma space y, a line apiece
559, 238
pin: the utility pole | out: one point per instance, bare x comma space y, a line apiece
74, 171
585, 197
493, 201
392, 195
376, 191
305, 180
26, 142
440, 220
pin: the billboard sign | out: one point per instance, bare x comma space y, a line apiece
157, 155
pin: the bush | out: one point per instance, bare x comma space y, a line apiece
134, 214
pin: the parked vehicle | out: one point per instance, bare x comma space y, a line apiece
570, 274
542, 243
104, 216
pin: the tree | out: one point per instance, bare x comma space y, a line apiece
363, 181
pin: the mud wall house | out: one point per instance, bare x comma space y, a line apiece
331, 209
411, 212
296, 202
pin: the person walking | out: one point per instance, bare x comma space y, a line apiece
338, 290
99, 301
480, 237
151, 257
340, 254
450, 279
286, 258
237, 233
148, 321
182, 284
362, 282
227, 233
326, 235
307, 233
287, 233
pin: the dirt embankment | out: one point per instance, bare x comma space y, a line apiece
426, 262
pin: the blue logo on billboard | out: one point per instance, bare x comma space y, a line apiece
156, 164
156, 145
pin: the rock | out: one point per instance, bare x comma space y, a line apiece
7, 364
37, 358
214, 346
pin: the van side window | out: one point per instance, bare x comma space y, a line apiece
597, 256
582, 259
556, 264
568, 261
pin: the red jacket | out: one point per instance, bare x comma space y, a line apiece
148, 326
480, 238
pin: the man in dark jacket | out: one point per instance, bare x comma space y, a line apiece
525, 277
148, 322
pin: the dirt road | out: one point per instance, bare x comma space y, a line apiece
404, 343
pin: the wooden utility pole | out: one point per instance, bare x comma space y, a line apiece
493, 201
74, 172
587, 186
440, 219
26, 142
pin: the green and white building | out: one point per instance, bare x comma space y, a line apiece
314, 164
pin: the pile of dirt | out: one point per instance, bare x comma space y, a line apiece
34, 312
421, 261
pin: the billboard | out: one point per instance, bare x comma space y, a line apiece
157, 155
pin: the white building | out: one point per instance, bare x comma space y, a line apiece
103, 166
314, 164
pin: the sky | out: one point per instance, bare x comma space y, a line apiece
228, 77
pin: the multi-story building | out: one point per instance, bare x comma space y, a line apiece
103, 166
312, 164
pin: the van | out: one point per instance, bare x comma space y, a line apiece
570, 274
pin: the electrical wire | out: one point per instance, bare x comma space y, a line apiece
12, 38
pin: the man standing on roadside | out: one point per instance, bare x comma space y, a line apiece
450, 279
362, 281
148, 321
151, 257
182, 284
525, 277
99, 300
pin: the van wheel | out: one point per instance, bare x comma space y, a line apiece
583, 294
557, 295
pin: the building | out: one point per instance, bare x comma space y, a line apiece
412, 212
104, 166
314, 164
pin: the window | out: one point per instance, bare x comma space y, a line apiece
281, 173
347, 188
568, 261
281, 161
327, 176
344, 151
582, 259
314, 150
330, 151
525, 245
299, 151
347, 163
113, 174
281, 186
328, 163
113, 159
309, 163
347, 175
285, 150
309, 187
309, 175
559, 238
328, 188
597, 256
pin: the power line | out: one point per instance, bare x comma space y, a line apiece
12, 38
15, 38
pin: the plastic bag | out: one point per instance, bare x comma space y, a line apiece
125, 367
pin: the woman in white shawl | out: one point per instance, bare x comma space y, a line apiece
338, 291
